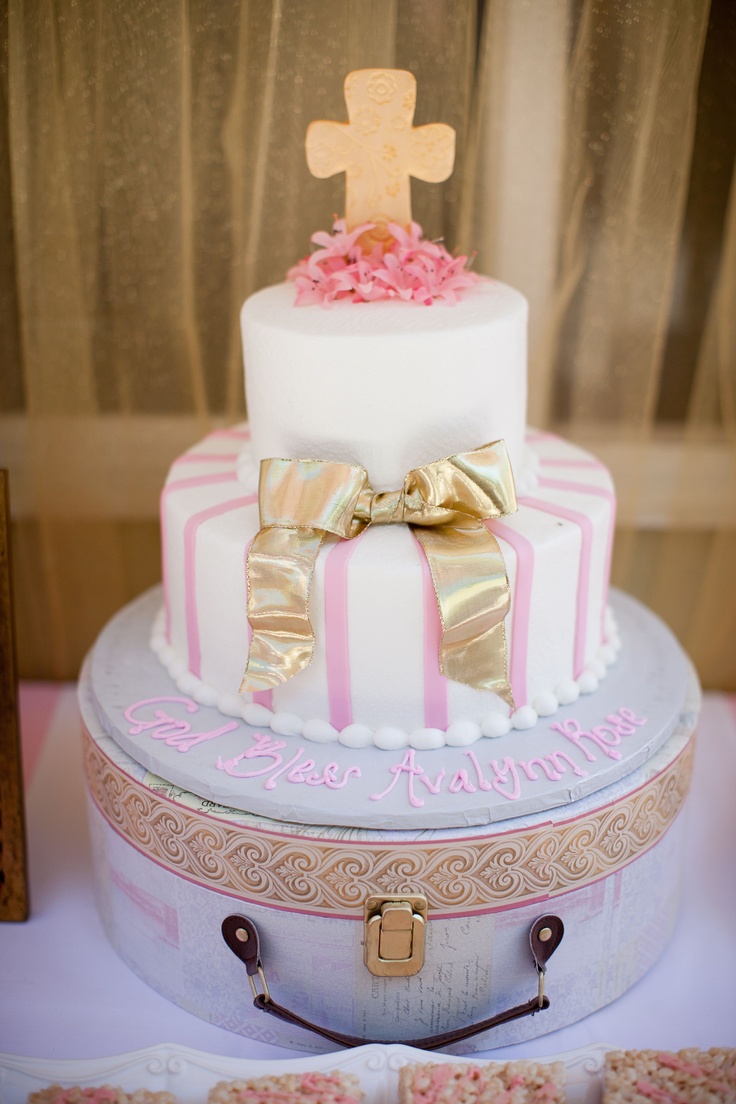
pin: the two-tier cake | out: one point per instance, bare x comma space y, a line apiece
384, 680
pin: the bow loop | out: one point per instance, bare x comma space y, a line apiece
312, 494
475, 485
445, 503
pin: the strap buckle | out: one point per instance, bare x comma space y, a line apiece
265, 995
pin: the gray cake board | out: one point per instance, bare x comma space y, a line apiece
294, 780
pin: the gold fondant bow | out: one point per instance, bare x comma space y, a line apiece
444, 503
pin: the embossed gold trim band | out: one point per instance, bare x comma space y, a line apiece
332, 876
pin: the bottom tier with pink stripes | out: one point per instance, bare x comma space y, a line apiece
374, 678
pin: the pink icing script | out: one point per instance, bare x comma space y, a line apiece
505, 777
174, 733
297, 770
604, 736
264, 759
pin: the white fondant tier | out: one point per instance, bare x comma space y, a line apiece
387, 385
374, 678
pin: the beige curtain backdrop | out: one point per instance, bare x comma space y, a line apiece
152, 175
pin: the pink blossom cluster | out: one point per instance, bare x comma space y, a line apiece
412, 269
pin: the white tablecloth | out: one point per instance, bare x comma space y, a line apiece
64, 993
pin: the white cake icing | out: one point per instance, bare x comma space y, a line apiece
388, 385
374, 676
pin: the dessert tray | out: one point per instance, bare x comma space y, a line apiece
190, 1074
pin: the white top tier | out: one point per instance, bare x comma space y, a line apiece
387, 385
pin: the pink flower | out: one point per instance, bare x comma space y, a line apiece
411, 270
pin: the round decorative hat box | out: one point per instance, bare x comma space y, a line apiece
393, 893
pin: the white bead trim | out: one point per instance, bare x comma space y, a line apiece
460, 733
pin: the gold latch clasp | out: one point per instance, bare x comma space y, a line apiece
394, 934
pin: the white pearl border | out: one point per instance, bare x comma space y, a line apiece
458, 734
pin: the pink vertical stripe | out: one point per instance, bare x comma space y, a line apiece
231, 431
191, 529
260, 697
169, 488
586, 531
535, 436
521, 607
603, 492
337, 645
556, 462
436, 709
206, 458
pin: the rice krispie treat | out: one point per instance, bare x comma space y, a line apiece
304, 1088
688, 1077
510, 1083
102, 1094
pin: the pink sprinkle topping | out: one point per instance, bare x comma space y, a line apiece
660, 1095
548, 1091
304, 1093
412, 269
91, 1095
673, 1061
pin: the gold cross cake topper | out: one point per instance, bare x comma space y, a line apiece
379, 149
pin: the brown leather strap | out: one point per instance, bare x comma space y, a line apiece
432, 1042
241, 936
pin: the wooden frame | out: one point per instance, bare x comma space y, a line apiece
13, 873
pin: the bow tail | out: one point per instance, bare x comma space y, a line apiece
280, 567
473, 598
